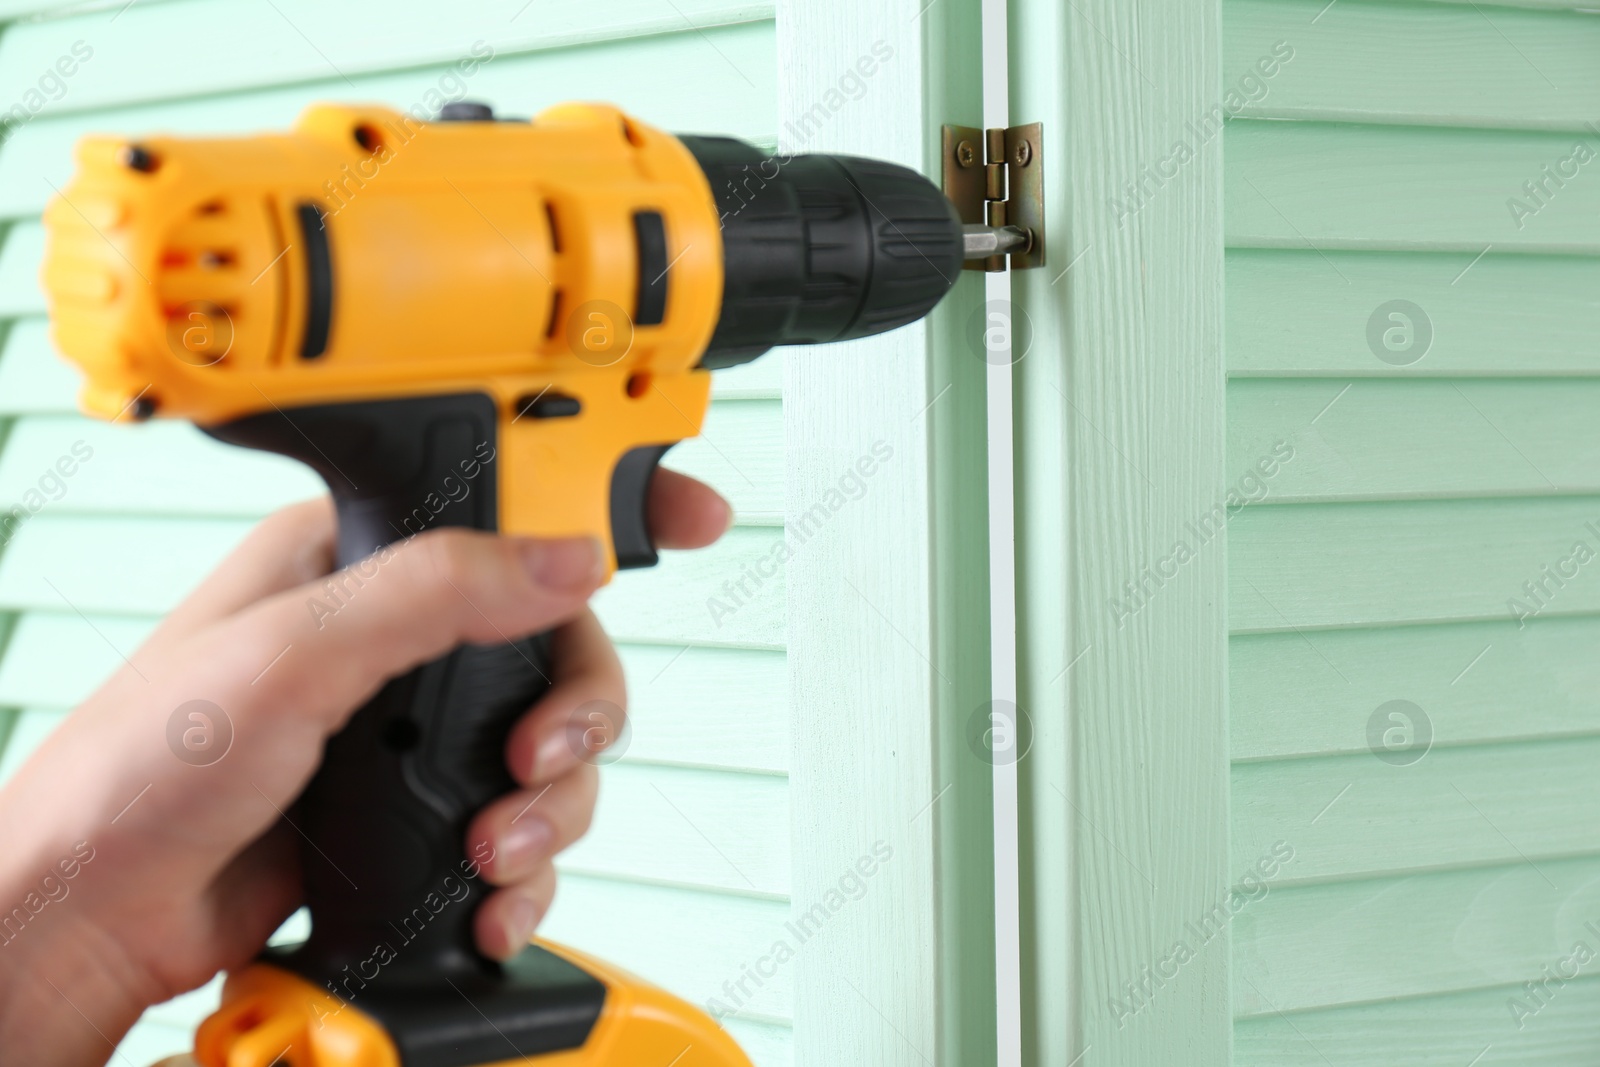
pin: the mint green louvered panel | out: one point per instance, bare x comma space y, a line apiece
684, 893
1387, 161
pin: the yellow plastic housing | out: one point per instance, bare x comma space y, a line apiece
271, 1018
491, 257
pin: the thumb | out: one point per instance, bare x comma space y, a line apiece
281, 676
333, 643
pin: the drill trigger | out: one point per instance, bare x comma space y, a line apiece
630, 499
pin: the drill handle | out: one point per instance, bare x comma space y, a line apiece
389, 886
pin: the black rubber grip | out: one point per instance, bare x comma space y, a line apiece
389, 886
319, 279
650, 241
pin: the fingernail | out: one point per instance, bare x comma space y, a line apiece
522, 915
556, 755
567, 563
523, 844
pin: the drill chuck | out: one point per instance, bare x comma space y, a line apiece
820, 248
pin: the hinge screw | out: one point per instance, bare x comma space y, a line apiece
966, 155
1023, 153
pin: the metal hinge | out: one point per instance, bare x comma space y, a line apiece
999, 194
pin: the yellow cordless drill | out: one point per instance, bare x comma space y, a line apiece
537, 305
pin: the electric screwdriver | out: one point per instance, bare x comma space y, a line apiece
536, 305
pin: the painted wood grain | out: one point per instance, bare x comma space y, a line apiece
1360, 816
1301, 695
1297, 949
1435, 64
1443, 1031
888, 635
1320, 186
690, 827
161, 468
708, 707
1119, 440
1425, 178
1303, 566
641, 74
731, 594
112, 565
1540, 5
1294, 313
300, 40
1365, 439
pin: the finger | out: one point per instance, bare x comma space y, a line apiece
684, 512
522, 830
508, 917
254, 894
582, 713
289, 547
320, 650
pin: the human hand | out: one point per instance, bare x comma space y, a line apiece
178, 870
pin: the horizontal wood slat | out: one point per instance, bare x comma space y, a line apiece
1301, 313
706, 829
698, 596
1538, 5
1337, 565
162, 468
1479, 1027
1328, 185
1314, 694
708, 707
1356, 942
1362, 439
302, 40
1440, 64
1362, 816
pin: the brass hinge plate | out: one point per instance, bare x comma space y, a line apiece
995, 177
